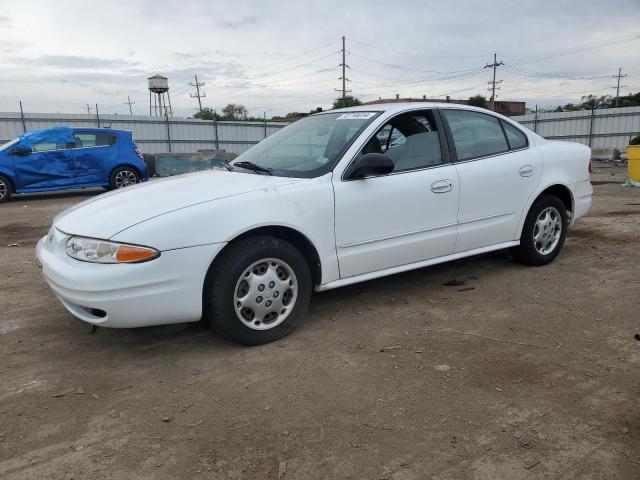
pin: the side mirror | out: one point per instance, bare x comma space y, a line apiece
21, 151
370, 165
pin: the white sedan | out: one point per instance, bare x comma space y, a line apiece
333, 199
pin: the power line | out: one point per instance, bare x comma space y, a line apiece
534, 74
493, 82
399, 67
295, 56
416, 54
198, 95
578, 49
617, 87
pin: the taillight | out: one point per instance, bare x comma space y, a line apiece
590, 166
139, 153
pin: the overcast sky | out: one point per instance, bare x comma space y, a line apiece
282, 56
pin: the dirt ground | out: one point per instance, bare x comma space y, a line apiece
506, 372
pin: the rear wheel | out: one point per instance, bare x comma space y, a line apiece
543, 233
122, 177
258, 291
5, 189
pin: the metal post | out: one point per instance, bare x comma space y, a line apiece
150, 102
24, 126
215, 127
264, 116
98, 115
166, 117
535, 121
170, 107
593, 112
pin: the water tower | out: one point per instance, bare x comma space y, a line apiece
159, 96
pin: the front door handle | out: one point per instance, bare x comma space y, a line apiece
526, 171
442, 186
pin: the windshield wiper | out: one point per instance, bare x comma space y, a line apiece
253, 167
225, 164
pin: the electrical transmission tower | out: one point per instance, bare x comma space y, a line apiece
198, 95
344, 72
493, 82
618, 86
129, 102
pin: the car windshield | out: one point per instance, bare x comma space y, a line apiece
9, 144
309, 147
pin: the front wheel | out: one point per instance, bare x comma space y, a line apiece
543, 233
258, 291
5, 189
122, 177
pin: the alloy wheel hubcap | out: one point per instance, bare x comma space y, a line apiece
3, 189
125, 178
547, 230
265, 294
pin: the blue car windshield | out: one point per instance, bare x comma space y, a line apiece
309, 147
9, 144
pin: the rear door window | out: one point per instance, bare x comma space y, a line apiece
475, 134
93, 139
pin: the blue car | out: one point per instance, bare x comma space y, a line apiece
62, 158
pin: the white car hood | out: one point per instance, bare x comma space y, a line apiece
106, 215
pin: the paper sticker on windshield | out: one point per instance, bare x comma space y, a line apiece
356, 116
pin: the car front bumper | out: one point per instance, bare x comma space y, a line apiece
165, 290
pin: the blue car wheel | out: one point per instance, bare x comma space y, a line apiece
122, 177
5, 189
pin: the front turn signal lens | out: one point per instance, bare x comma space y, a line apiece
130, 253
102, 251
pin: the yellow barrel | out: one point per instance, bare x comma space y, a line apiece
633, 162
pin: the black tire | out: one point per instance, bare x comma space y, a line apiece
527, 252
131, 172
6, 189
225, 274
150, 160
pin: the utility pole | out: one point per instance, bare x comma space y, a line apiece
198, 95
493, 82
129, 102
344, 71
88, 109
617, 87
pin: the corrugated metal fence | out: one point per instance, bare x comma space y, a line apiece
601, 128
152, 134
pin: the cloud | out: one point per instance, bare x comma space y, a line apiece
242, 22
76, 62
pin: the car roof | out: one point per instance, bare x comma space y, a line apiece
100, 129
393, 107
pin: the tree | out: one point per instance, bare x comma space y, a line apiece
347, 101
590, 102
207, 114
478, 101
234, 111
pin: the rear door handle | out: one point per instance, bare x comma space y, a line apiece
442, 186
526, 171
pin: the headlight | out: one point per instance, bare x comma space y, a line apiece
102, 251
